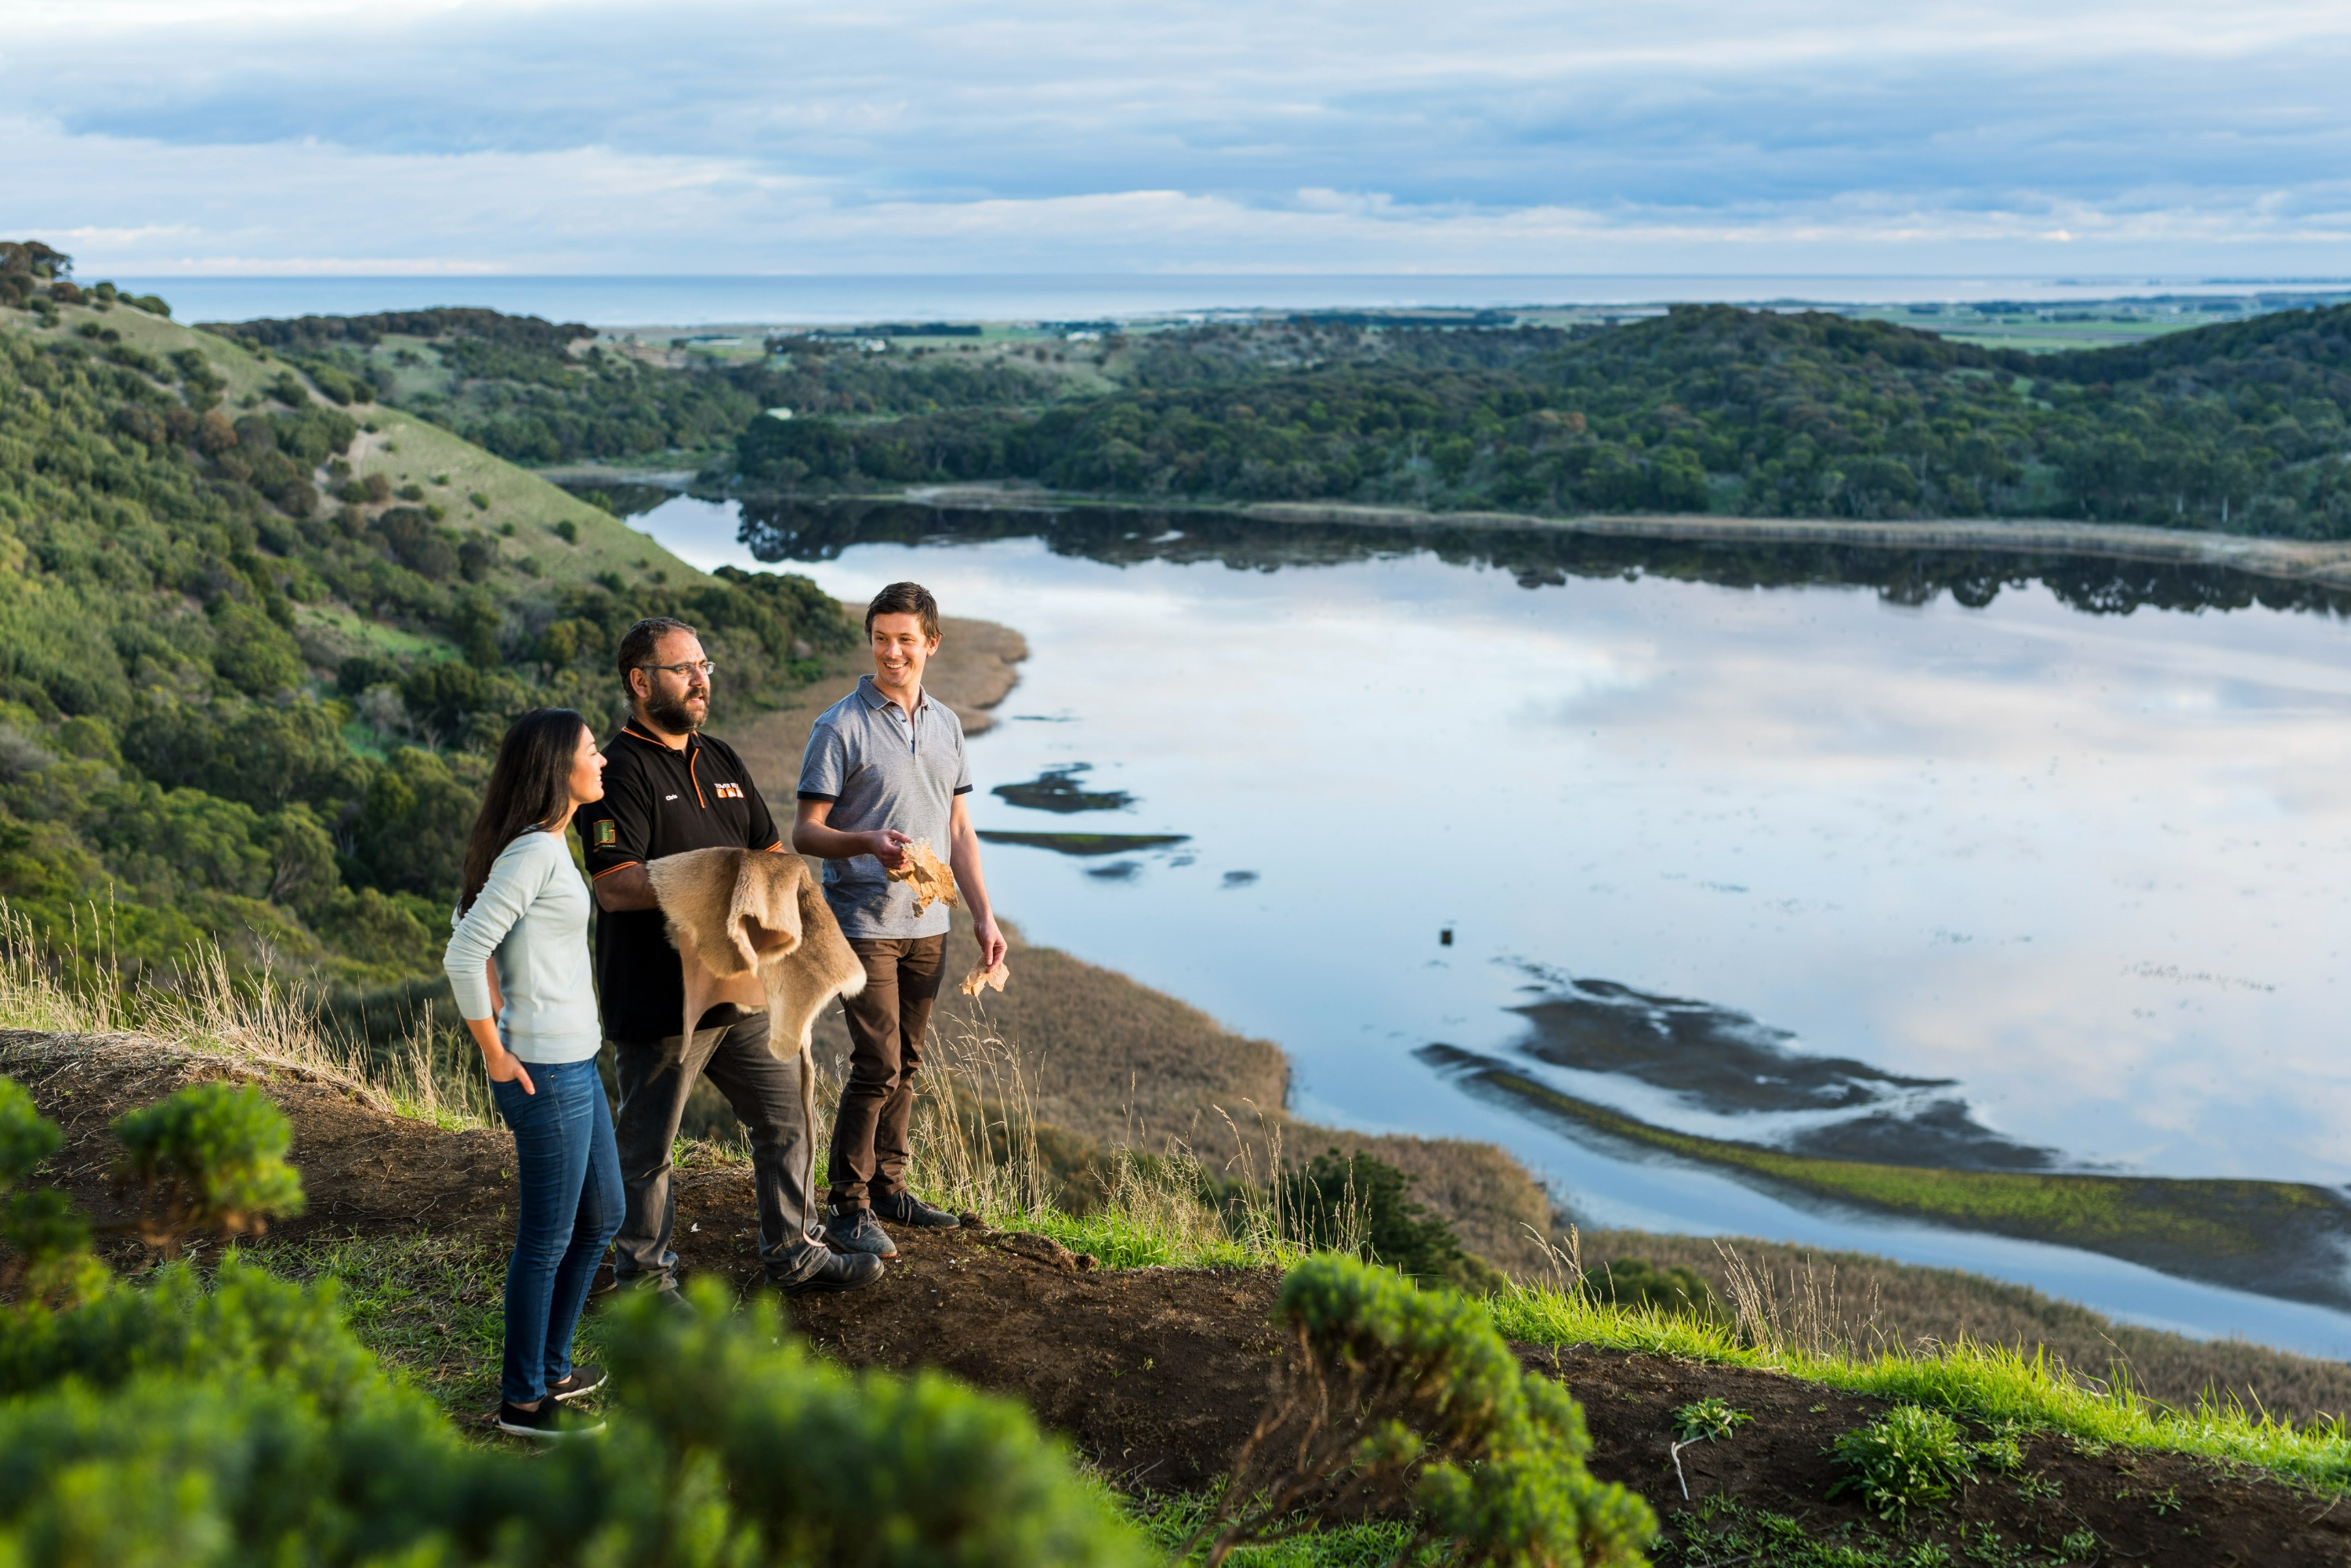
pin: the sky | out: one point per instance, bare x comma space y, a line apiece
1690, 136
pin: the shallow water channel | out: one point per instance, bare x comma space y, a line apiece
2039, 863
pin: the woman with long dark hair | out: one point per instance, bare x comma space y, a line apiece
518, 964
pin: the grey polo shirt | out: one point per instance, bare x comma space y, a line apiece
880, 772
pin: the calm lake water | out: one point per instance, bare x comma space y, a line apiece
2046, 860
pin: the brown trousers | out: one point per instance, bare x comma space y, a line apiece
887, 1021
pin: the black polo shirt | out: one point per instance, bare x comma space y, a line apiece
660, 802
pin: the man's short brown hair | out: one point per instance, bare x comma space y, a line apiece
906, 599
638, 643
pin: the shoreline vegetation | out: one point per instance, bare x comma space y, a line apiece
2277, 1239
2324, 563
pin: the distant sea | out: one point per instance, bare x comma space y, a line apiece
819, 300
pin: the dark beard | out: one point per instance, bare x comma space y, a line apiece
670, 715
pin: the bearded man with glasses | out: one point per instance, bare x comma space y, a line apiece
668, 788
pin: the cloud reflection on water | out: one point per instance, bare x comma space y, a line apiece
1970, 840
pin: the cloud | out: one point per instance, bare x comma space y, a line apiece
1204, 133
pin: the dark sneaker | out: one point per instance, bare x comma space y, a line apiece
551, 1422
583, 1379
905, 1208
840, 1272
858, 1232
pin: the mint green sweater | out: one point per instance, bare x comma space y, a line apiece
532, 917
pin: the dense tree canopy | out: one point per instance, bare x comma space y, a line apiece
2239, 426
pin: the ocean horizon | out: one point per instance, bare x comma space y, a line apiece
619, 302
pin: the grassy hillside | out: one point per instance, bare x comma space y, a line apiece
256, 643
538, 392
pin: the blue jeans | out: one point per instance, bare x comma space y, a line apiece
570, 1178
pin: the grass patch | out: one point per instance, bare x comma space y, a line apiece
1990, 1383
1171, 1519
2244, 1234
1120, 1238
431, 1308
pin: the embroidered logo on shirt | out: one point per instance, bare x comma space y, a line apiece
728, 791
669, 797
606, 834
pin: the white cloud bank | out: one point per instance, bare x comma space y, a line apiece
205, 136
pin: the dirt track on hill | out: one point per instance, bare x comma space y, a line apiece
1158, 1373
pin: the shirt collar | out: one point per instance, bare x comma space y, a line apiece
875, 700
693, 739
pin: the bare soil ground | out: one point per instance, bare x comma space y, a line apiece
2164, 1510
1158, 1373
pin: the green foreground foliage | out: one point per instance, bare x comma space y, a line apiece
1392, 1393
181, 1423
187, 1421
240, 1419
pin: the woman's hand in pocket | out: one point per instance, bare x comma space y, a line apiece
507, 1068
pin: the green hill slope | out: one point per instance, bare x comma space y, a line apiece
540, 392
255, 647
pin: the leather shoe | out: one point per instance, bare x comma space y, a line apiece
839, 1271
858, 1232
905, 1208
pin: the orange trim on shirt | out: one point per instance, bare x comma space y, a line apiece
776, 848
693, 756
610, 868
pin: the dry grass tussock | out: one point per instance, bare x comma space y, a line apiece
1109, 1060
257, 1020
980, 1146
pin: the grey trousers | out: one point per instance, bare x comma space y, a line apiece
768, 1095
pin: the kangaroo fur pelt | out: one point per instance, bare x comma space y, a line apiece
733, 913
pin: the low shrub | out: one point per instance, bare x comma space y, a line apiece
1910, 1458
1708, 1420
1390, 1395
210, 1159
239, 1421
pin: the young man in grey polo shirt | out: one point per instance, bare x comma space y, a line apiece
885, 768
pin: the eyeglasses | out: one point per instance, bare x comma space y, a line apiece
703, 667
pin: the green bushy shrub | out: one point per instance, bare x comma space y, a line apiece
1389, 1394
917, 1470
1910, 1458
210, 1159
233, 1421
